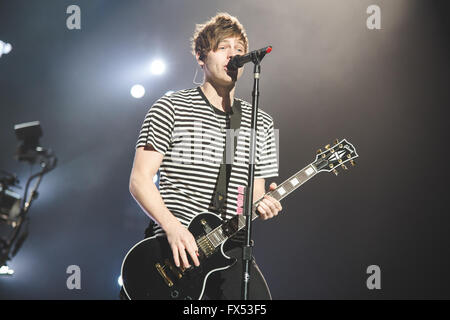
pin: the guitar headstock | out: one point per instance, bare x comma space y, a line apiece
335, 156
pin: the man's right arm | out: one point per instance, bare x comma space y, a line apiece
146, 163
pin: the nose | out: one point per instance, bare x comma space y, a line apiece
230, 53
235, 52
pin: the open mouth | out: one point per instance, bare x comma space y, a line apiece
232, 73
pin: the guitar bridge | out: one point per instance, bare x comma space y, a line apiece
205, 246
163, 274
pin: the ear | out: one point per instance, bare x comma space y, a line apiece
200, 62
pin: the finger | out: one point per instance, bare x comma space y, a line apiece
267, 210
273, 186
193, 254
193, 251
175, 256
271, 203
263, 216
184, 258
261, 209
276, 203
191, 247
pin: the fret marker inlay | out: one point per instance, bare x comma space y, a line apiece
309, 171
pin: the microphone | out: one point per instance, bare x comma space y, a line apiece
256, 55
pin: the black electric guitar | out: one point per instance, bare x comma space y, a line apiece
148, 269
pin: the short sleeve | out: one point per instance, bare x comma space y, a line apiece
158, 126
267, 161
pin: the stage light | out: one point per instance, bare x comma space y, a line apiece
5, 48
157, 67
119, 281
5, 270
137, 91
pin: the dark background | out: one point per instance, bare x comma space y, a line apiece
328, 77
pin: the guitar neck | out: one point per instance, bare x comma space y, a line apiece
232, 226
288, 186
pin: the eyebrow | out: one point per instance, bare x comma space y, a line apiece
228, 41
238, 43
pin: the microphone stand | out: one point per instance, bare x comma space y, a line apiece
248, 209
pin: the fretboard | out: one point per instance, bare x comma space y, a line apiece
222, 233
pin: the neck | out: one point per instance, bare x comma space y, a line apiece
220, 97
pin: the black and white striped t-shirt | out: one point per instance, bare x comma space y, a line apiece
188, 131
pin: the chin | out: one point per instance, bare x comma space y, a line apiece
231, 79
226, 82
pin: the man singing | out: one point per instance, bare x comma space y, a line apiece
184, 136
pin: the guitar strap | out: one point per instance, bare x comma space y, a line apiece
220, 192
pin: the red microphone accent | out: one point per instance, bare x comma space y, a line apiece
269, 49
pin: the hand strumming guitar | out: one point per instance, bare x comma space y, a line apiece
181, 241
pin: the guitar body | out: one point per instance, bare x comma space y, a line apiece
148, 270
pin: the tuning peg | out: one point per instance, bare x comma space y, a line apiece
327, 146
344, 167
335, 172
319, 151
336, 141
353, 163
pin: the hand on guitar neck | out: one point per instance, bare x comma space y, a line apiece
268, 207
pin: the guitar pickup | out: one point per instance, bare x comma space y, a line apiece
163, 274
